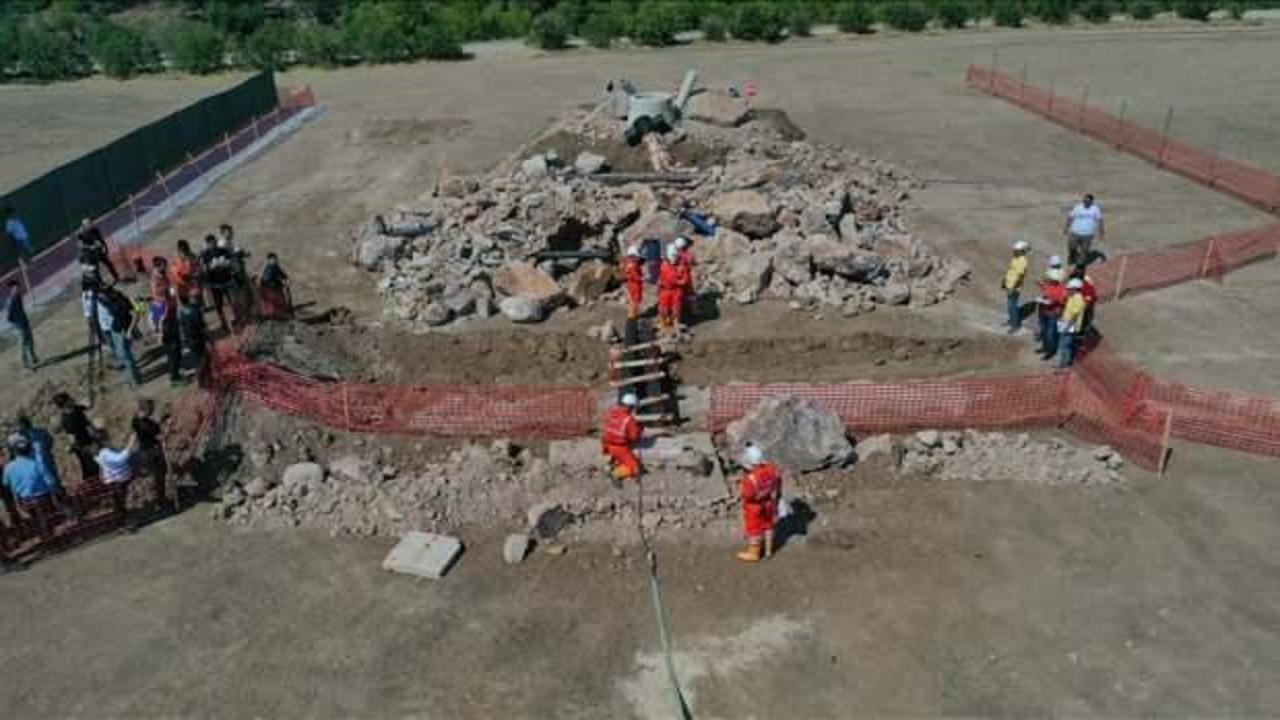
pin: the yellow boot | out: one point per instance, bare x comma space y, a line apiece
751, 554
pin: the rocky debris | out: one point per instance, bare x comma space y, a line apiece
589, 163
423, 555
516, 548
986, 456
546, 519
718, 108
827, 221
798, 435
876, 446
522, 310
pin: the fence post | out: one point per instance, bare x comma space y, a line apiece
1208, 253
226, 143
256, 136
991, 76
346, 404
1084, 104
1124, 105
1165, 450
1164, 135
1124, 264
1022, 91
164, 184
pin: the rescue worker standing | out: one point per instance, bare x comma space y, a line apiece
671, 286
761, 490
618, 439
684, 259
1072, 323
1053, 294
633, 275
1014, 276
1090, 294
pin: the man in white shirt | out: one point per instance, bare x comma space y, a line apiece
115, 469
1084, 223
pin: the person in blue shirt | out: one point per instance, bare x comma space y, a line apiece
42, 450
24, 478
17, 232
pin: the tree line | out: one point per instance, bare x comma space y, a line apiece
47, 40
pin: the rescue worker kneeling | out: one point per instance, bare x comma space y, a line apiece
761, 492
618, 438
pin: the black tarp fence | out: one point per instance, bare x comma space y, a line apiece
53, 204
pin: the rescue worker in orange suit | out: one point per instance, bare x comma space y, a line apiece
684, 259
633, 275
618, 438
672, 282
761, 490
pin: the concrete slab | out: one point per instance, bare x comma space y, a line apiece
423, 554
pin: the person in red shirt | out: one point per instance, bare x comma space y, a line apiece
761, 489
672, 282
684, 258
633, 274
619, 436
1053, 294
185, 272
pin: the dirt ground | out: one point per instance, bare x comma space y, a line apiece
905, 599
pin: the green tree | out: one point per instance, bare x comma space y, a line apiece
1143, 9
714, 28
47, 54
908, 15
236, 18
121, 51
1194, 9
550, 31
758, 21
8, 42
955, 13
195, 47
319, 45
437, 41
800, 20
378, 33
855, 16
600, 29
1096, 11
1055, 12
654, 24
269, 46
1007, 13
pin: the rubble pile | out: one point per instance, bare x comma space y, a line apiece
991, 456
794, 220
496, 485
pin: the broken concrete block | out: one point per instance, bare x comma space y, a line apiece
797, 434
846, 260
589, 163
747, 211
515, 548
423, 554
523, 280
521, 310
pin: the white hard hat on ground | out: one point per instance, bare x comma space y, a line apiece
752, 456
682, 242
1075, 284
630, 400
1021, 246
633, 251
1055, 261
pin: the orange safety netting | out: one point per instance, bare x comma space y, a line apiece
1251, 184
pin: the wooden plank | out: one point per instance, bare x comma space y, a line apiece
649, 377
617, 365
665, 417
646, 402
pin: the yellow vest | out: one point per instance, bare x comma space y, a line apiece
1073, 311
1017, 271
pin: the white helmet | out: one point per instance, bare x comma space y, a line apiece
1021, 246
633, 251
630, 400
672, 253
752, 456
1055, 261
682, 242
1054, 274
1075, 284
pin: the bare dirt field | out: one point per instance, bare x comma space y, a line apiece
908, 597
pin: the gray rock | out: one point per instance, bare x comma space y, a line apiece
350, 467
849, 229
950, 446
875, 446
546, 519
256, 488
375, 250
434, 313
1103, 453
846, 261
749, 212
459, 301
894, 293
797, 434
535, 167
590, 163
1115, 462
929, 439
793, 261
522, 310
516, 548
303, 473
750, 273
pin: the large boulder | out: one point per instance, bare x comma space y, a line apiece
717, 108
435, 314
747, 211
521, 309
799, 435
847, 261
372, 251
522, 280
589, 163
749, 275
303, 473
535, 167
589, 282
793, 261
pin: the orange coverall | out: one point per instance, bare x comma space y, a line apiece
633, 273
761, 488
621, 432
673, 279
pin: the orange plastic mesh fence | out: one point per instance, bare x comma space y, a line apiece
519, 411
1251, 184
